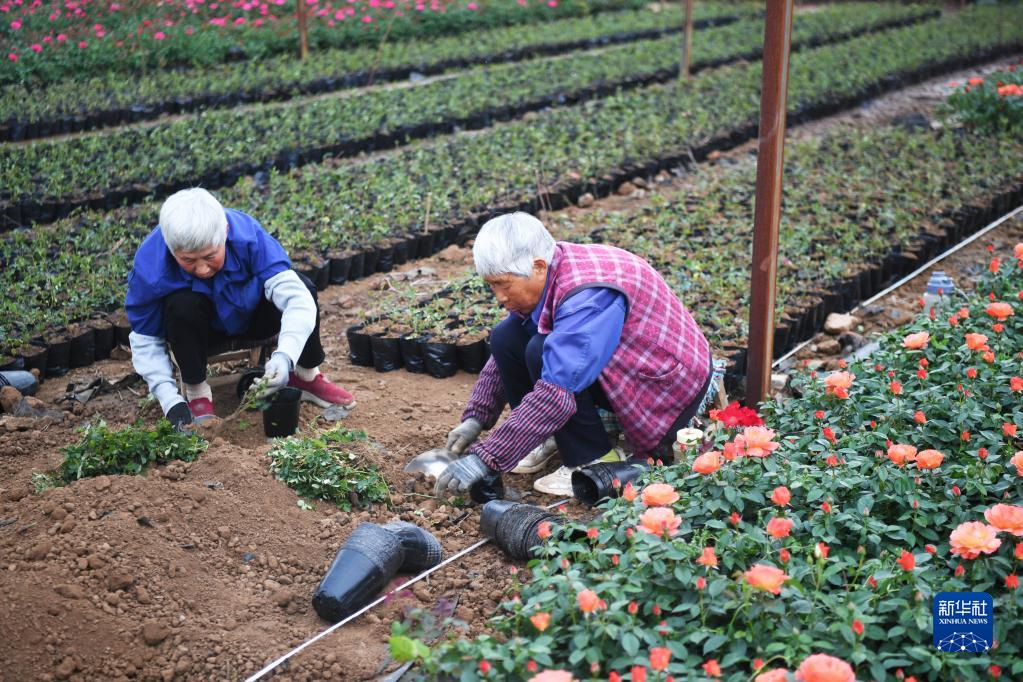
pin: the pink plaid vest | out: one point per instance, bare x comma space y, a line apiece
662, 360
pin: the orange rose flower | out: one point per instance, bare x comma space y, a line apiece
553, 676
756, 441
767, 578
1016, 384
775, 675
929, 459
730, 451
629, 492
900, 453
588, 601
916, 341
659, 520
976, 342
659, 495
1017, 461
1017, 251
919, 417
708, 558
999, 310
838, 383
660, 656
824, 668
540, 621
707, 463
712, 668
781, 496
779, 527
973, 538
1006, 518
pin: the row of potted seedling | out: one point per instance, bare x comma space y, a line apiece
459, 182
214, 147
110, 99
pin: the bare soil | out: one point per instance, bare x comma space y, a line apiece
206, 570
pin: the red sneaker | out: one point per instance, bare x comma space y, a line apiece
201, 409
322, 392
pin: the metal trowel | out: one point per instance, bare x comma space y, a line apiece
431, 462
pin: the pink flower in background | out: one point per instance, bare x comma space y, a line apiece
159, 35
13, 57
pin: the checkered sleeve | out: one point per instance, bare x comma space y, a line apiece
540, 414
487, 400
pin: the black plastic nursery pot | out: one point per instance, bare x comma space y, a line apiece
340, 267
82, 352
104, 338
593, 483
514, 527
280, 418
441, 359
487, 489
35, 357
360, 347
472, 356
412, 354
358, 267
10, 363
386, 353
421, 549
362, 567
58, 360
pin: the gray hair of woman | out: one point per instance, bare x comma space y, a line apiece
508, 245
192, 220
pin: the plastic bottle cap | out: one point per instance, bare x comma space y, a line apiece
940, 284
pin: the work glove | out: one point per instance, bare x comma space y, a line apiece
464, 435
276, 372
180, 417
461, 474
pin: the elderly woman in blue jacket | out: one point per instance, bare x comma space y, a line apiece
208, 274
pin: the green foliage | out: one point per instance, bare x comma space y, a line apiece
855, 512
41, 481
991, 104
328, 467
78, 264
186, 150
128, 451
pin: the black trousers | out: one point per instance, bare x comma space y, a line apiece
518, 352
188, 318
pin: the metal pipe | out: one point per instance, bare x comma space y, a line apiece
767, 213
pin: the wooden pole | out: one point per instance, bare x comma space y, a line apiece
687, 42
767, 213
302, 14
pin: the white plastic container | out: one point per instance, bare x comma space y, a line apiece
938, 292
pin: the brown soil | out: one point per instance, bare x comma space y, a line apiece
206, 570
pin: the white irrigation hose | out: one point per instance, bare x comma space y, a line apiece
380, 600
884, 292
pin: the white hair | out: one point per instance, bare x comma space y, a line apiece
508, 245
192, 220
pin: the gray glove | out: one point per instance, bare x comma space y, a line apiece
464, 435
461, 474
276, 372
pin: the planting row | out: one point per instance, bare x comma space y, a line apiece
110, 99
447, 332
97, 38
835, 248
814, 543
56, 275
217, 147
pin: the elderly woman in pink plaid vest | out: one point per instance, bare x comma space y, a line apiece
591, 327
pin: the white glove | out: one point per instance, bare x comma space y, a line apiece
464, 435
276, 372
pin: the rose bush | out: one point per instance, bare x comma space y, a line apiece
871, 538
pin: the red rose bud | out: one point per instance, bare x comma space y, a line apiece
930, 549
857, 627
484, 667
956, 491
960, 571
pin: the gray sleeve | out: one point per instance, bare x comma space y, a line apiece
151, 360
298, 312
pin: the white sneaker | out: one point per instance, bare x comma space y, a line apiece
559, 483
537, 458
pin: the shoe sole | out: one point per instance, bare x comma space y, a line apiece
552, 491
531, 468
313, 398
